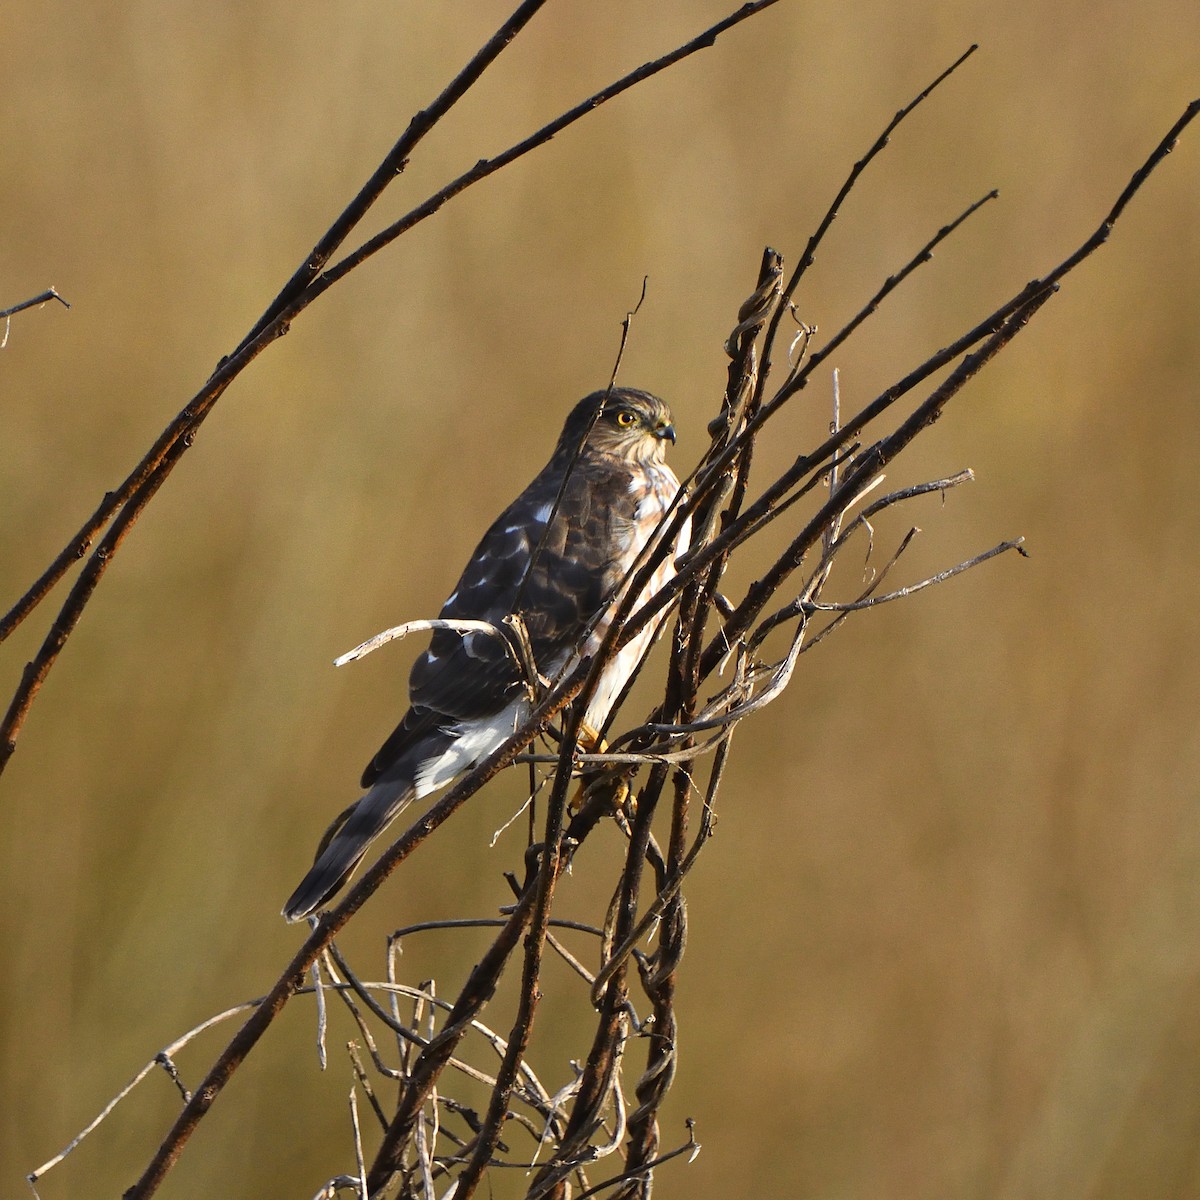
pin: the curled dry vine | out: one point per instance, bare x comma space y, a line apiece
658, 778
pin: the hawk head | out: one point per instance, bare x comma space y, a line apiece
624, 423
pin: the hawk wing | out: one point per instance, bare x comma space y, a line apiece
557, 565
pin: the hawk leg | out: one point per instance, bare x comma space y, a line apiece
593, 778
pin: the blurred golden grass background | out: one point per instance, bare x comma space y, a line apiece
946, 941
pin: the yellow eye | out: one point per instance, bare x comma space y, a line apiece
625, 418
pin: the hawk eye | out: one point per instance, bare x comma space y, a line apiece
625, 418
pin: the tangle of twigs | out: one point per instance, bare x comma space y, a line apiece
659, 779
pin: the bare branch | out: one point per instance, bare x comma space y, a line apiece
34, 302
143, 483
912, 588
649, 781
177, 436
808, 257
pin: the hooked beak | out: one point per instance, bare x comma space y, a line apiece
665, 433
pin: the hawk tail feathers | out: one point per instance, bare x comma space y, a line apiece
347, 842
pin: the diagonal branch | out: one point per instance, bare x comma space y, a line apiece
808, 257
869, 464
191, 416
816, 462
488, 166
142, 484
394, 162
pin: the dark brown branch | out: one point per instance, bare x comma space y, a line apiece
433, 1058
392, 165
712, 477
608, 1042
817, 461
190, 417
325, 930
137, 490
488, 166
889, 285
810, 250
550, 866
871, 462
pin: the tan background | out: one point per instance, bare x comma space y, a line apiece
946, 941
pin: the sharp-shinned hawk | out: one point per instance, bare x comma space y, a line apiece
557, 557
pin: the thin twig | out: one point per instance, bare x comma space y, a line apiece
358, 1151
691, 1148
910, 589
889, 285
808, 257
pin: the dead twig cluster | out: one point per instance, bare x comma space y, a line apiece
598, 1131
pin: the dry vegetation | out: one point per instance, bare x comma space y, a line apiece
469, 1075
